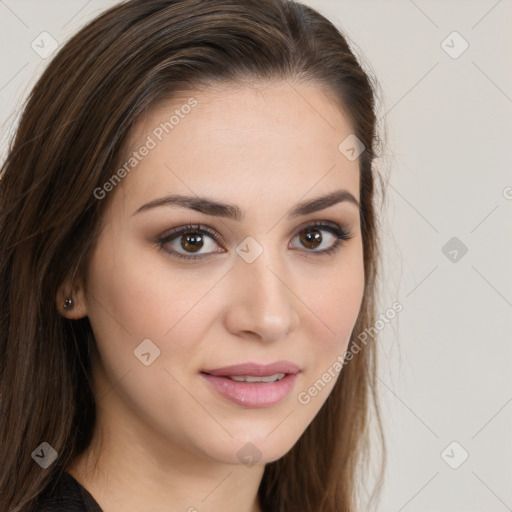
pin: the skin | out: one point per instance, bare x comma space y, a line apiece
165, 441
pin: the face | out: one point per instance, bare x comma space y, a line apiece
178, 292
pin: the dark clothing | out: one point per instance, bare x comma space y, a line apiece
68, 496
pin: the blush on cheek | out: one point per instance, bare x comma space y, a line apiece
338, 308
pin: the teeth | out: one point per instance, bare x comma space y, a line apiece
250, 378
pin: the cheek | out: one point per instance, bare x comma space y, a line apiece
335, 299
135, 295
133, 289
336, 305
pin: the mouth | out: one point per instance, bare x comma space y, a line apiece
252, 385
251, 378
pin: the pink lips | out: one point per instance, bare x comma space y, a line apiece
253, 394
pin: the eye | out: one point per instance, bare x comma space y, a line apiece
312, 238
191, 239
195, 242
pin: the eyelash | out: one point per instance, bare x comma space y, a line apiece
341, 234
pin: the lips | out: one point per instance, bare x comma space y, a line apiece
253, 385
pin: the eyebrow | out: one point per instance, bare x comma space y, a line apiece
214, 208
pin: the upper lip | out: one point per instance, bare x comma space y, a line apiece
254, 369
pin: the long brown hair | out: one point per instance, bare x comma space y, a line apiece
69, 141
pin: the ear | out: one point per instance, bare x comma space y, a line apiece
75, 291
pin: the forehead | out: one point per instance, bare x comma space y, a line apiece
274, 140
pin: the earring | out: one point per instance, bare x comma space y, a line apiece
68, 303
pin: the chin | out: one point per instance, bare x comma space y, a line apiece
251, 449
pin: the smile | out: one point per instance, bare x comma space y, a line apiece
252, 385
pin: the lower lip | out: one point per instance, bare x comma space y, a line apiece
252, 394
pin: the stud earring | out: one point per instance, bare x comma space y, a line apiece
68, 303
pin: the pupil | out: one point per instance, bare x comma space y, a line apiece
194, 241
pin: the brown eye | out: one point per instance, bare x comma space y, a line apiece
321, 238
311, 238
196, 242
192, 241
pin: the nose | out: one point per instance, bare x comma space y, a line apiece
262, 302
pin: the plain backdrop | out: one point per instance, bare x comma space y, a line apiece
445, 101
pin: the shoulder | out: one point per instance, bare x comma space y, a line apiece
67, 495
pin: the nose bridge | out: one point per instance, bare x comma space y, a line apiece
263, 302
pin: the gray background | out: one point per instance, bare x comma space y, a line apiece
445, 360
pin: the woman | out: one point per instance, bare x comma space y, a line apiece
189, 250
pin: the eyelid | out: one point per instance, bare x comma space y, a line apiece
192, 227
341, 231
321, 223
